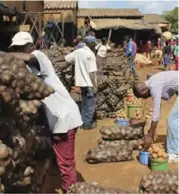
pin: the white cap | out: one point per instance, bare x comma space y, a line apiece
21, 39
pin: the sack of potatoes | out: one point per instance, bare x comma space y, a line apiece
15, 74
122, 132
160, 182
109, 154
83, 187
133, 144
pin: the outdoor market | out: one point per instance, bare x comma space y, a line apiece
89, 99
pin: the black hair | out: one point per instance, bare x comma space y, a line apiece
104, 40
136, 90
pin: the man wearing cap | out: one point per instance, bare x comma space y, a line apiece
85, 78
62, 112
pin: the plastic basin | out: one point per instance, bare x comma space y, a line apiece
144, 158
156, 165
121, 122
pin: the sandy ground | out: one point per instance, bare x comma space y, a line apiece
124, 175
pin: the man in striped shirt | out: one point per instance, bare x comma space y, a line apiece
163, 86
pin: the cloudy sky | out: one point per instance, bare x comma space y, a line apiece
145, 6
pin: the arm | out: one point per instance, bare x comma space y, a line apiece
156, 95
97, 47
93, 79
22, 56
108, 47
92, 71
30, 59
70, 58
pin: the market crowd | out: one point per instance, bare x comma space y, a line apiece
63, 114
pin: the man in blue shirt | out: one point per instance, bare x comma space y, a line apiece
131, 50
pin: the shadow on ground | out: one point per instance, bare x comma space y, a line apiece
52, 179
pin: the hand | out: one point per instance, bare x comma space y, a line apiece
148, 140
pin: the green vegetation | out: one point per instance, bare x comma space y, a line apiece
172, 18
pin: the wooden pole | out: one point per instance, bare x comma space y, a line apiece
63, 26
109, 36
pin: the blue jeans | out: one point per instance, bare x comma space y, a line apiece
87, 106
172, 131
132, 66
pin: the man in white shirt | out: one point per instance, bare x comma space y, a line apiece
85, 78
102, 50
62, 112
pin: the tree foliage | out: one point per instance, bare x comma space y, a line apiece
172, 18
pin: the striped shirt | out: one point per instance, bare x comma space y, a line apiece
162, 85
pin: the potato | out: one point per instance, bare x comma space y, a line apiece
150, 150
155, 150
160, 154
140, 147
165, 155
161, 159
154, 156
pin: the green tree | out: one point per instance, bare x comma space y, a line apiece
172, 18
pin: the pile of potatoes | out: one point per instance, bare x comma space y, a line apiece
135, 101
83, 187
134, 144
160, 182
109, 154
137, 114
20, 90
121, 114
158, 152
116, 132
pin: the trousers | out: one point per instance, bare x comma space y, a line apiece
132, 66
64, 148
87, 106
172, 131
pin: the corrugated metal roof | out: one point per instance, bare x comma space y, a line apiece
154, 19
57, 5
109, 13
114, 23
6, 11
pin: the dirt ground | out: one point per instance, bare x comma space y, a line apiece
124, 175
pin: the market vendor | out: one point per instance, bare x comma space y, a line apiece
162, 85
62, 112
85, 77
